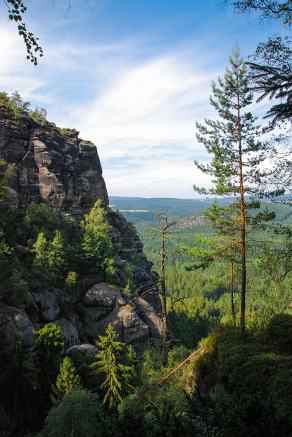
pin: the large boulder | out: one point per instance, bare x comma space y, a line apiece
149, 316
131, 328
70, 333
15, 324
47, 304
84, 349
105, 304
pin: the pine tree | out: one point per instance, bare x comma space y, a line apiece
233, 141
40, 249
111, 364
96, 243
67, 379
223, 248
57, 256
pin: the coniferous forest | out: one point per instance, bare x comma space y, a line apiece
146, 315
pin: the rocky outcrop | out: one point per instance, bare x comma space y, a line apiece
52, 165
135, 320
55, 166
129, 248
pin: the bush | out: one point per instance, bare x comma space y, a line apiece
280, 332
251, 385
79, 414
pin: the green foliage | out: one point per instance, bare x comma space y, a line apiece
49, 340
19, 383
39, 115
49, 263
244, 364
117, 374
18, 105
57, 257
67, 380
39, 218
279, 330
96, 244
71, 281
16, 10
49, 346
128, 278
79, 414
6, 173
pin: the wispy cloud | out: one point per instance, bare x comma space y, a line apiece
137, 105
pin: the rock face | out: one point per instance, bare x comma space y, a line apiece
52, 165
55, 166
136, 321
130, 250
15, 325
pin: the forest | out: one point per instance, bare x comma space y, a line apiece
156, 316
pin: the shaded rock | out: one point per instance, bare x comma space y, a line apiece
15, 324
47, 303
132, 329
103, 295
149, 316
129, 248
99, 301
82, 349
70, 333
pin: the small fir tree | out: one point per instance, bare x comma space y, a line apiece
96, 243
67, 379
49, 346
57, 256
111, 364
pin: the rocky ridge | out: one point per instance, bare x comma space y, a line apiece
55, 166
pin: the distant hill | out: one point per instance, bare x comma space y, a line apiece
142, 209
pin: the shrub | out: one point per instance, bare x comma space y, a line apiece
79, 414
280, 332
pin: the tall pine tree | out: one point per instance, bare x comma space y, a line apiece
233, 140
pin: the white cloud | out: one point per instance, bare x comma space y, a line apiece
140, 114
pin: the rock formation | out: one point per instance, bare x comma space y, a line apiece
52, 165
55, 166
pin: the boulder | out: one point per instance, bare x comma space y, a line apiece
103, 295
70, 333
47, 303
15, 324
82, 349
132, 329
149, 316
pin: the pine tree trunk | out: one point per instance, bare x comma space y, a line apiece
232, 293
163, 293
242, 222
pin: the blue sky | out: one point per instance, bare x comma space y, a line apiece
132, 76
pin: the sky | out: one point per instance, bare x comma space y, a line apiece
132, 76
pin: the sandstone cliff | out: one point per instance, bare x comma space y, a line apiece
55, 166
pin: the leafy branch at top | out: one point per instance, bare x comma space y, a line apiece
16, 10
